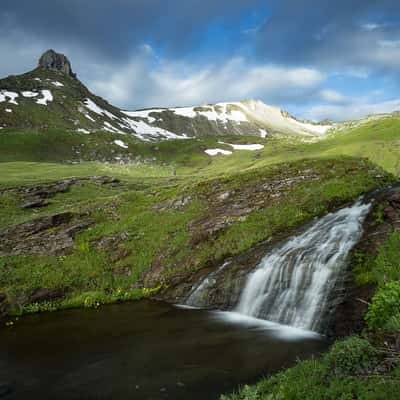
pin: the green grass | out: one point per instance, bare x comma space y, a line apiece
320, 380
173, 236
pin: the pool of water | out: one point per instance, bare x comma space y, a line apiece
143, 350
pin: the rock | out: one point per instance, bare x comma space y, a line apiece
44, 294
105, 180
73, 230
35, 204
122, 271
390, 214
223, 196
5, 390
51, 234
394, 200
111, 242
4, 305
57, 62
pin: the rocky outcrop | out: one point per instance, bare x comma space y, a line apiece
56, 61
36, 196
50, 235
353, 298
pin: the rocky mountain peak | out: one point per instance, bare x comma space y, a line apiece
56, 61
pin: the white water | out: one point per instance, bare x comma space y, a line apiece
196, 297
292, 284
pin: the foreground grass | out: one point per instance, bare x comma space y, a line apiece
342, 374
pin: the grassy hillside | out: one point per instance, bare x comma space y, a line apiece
379, 141
142, 233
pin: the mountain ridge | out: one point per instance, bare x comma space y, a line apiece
52, 96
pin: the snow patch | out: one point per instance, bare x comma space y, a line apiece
187, 112
47, 97
9, 110
263, 133
89, 117
215, 152
143, 114
217, 112
82, 130
92, 106
250, 147
144, 130
30, 94
319, 129
110, 128
4, 94
120, 143
58, 84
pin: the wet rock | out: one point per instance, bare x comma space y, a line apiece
5, 390
394, 200
391, 214
4, 305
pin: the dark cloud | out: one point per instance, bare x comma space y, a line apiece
116, 27
330, 33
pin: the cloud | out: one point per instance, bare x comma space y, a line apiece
353, 109
114, 28
333, 34
147, 81
295, 54
332, 96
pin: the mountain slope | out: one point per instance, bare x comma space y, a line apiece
52, 97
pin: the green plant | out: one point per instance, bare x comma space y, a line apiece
385, 304
350, 356
388, 259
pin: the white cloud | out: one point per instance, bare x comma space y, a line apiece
356, 108
332, 96
149, 82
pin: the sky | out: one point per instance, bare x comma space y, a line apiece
318, 59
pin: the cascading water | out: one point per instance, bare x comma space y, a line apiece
292, 284
196, 296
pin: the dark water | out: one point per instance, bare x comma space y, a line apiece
143, 350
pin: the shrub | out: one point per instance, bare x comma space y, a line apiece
385, 304
351, 356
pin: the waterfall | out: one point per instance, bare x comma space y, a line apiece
199, 292
292, 284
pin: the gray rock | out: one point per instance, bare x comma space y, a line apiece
56, 61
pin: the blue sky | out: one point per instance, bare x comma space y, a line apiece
317, 59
